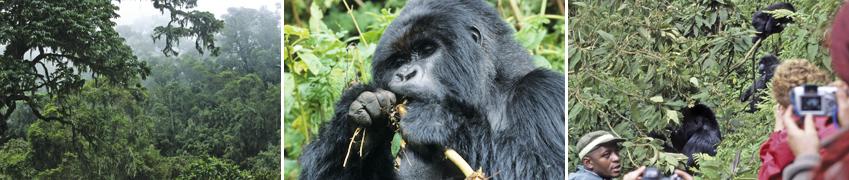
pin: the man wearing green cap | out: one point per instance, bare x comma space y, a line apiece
599, 153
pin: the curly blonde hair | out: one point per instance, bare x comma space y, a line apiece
792, 73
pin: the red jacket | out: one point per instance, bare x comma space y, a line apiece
776, 154
834, 165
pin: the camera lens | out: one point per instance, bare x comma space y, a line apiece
651, 174
811, 103
810, 89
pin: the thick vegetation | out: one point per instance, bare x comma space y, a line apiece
633, 65
112, 105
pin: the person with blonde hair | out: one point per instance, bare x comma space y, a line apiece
806, 145
775, 153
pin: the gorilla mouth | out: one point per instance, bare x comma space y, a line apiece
409, 97
408, 93
417, 126
420, 134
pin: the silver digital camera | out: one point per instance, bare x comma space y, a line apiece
652, 173
814, 100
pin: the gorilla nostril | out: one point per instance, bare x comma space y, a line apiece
399, 76
410, 75
405, 73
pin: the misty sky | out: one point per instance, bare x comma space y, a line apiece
134, 10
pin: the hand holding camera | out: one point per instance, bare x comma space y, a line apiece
652, 173
801, 141
842, 101
818, 101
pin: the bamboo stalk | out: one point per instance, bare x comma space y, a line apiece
464, 166
350, 144
459, 161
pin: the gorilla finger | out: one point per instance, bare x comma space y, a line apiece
360, 117
369, 101
358, 114
386, 98
356, 105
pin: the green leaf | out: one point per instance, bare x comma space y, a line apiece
813, 51
621, 7
541, 62
288, 92
294, 30
780, 13
316, 25
672, 115
645, 33
723, 14
396, 144
575, 110
676, 104
605, 35
657, 99
713, 18
579, 4
313, 63
694, 80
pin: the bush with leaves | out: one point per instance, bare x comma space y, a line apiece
213, 168
634, 65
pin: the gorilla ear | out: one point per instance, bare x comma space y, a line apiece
476, 34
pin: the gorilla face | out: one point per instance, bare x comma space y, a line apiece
767, 65
435, 56
433, 53
415, 77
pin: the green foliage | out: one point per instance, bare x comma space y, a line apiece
252, 39
193, 117
324, 52
633, 65
74, 38
185, 23
213, 168
14, 162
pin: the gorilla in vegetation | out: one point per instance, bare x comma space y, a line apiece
766, 68
699, 133
767, 24
469, 86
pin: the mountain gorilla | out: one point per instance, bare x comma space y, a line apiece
469, 86
699, 133
766, 68
766, 24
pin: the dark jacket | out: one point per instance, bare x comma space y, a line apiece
584, 174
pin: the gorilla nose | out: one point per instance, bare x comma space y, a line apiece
406, 73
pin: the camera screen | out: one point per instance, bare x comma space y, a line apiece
810, 103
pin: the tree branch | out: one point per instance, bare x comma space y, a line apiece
517, 13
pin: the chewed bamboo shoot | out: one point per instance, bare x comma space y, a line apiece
464, 166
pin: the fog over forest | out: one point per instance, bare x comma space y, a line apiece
136, 111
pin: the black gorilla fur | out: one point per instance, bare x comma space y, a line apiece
766, 24
699, 133
475, 90
766, 69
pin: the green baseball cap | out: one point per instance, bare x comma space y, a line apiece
591, 140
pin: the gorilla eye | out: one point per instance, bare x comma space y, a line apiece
425, 48
398, 58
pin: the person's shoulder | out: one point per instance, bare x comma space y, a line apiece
583, 176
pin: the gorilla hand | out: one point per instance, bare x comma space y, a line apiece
371, 107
